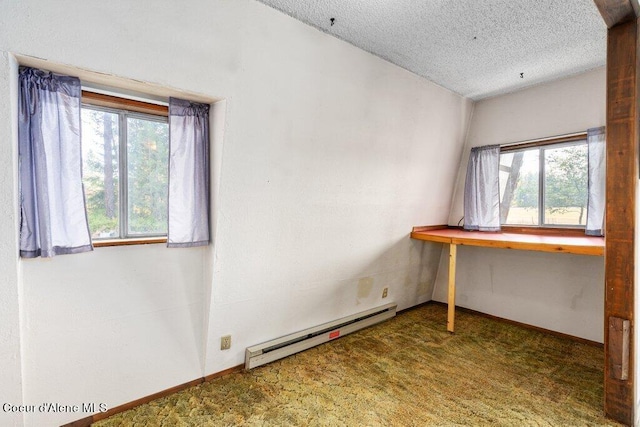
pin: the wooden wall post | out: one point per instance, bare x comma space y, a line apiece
621, 17
622, 178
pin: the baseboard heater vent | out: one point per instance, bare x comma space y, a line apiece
294, 343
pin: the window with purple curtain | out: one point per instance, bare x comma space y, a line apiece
482, 189
597, 182
188, 174
53, 215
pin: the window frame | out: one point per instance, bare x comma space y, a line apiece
541, 145
125, 108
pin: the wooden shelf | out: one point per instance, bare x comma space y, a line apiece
528, 240
541, 241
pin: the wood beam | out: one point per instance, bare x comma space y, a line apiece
615, 12
622, 176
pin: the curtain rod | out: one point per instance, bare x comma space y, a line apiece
125, 93
575, 136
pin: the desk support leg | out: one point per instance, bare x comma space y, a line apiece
451, 299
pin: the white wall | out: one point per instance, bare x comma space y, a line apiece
111, 324
330, 155
10, 351
560, 292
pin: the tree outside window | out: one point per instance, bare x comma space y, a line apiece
554, 177
125, 172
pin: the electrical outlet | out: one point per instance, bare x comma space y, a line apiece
385, 291
225, 342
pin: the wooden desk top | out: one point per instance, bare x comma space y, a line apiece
582, 245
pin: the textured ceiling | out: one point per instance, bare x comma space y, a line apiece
476, 48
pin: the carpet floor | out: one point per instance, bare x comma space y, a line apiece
408, 371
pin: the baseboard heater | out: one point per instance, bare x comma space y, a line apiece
294, 343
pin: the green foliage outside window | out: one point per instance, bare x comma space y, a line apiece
563, 186
141, 172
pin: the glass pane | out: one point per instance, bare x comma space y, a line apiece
147, 162
519, 173
565, 185
100, 171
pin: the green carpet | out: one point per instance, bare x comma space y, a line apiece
407, 371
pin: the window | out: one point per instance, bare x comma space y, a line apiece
544, 185
125, 146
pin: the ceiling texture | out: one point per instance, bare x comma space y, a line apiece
476, 48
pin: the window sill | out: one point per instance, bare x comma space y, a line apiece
543, 230
128, 242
